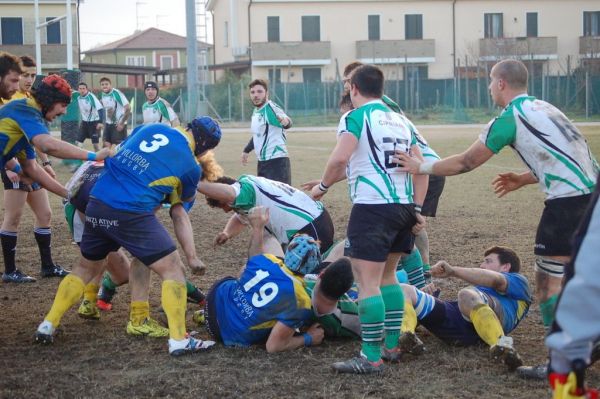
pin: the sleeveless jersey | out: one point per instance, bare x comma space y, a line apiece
265, 293
548, 143
20, 121
267, 133
88, 107
289, 209
159, 111
114, 103
372, 178
155, 162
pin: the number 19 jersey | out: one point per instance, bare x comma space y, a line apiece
266, 292
372, 178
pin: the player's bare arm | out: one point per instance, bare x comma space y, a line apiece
258, 218
34, 171
233, 227
471, 275
335, 170
219, 191
282, 337
476, 155
504, 183
60, 149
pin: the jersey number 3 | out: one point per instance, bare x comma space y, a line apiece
160, 140
266, 292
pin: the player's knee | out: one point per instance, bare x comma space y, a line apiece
12, 219
468, 298
43, 217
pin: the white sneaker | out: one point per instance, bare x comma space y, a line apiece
188, 345
45, 333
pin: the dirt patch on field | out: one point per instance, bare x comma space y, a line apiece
98, 359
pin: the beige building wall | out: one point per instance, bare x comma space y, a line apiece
344, 23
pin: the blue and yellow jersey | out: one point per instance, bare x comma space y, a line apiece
515, 301
156, 162
266, 292
20, 121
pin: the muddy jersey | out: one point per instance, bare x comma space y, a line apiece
372, 178
159, 111
114, 103
267, 292
267, 133
548, 143
88, 107
289, 209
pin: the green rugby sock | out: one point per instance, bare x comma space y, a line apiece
393, 299
413, 265
108, 283
371, 312
547, 309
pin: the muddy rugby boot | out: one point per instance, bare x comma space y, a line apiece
504, 350
149, 328
188, 346
410, 343
538, 372
17, 277
54, 271
358, 365
45, 333
88, 310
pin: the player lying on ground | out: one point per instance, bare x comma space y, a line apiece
291, 210
155, 162
269, 302
490, 308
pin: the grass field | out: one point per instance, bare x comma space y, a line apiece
98, 359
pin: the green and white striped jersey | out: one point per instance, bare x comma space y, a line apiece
548, 143
289, 209
372, 177
88, 107
114, 103
159, 111
343, 321
267, 133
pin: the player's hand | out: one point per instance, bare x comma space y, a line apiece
430, 289
316, 193
504, 183
244, 158
309, 185
50, 171
442, 269
317, 333
197, 266
221, 239
406, 162
12, 176
258, 217
103, 154
420, 225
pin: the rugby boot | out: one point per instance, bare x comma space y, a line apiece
105, 296
538, 372
410, 343
188, 346
45, 333
54, 271
17, 276
88, 310
504, 350
148, 328
391, 355
358, 365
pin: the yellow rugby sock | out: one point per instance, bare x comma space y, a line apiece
90, 292
486, 324
409, 322
174, 301
140, 311
69, 292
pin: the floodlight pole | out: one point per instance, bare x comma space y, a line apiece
192, 58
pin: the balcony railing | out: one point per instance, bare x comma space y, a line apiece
589, 46
537, 48
291, 53
396, 51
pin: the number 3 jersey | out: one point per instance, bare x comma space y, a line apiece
372, 178
155, 162
266, 292
548, 143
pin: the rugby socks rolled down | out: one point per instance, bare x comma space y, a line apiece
393, 299
547, 309
486, 324
174, 301
69, 292
90, 292
9, 249
43, 237
371, 312
140, 311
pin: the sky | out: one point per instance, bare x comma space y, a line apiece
104, 21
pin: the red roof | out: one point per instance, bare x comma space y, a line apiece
151, 38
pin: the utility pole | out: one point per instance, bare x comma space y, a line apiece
192, 58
